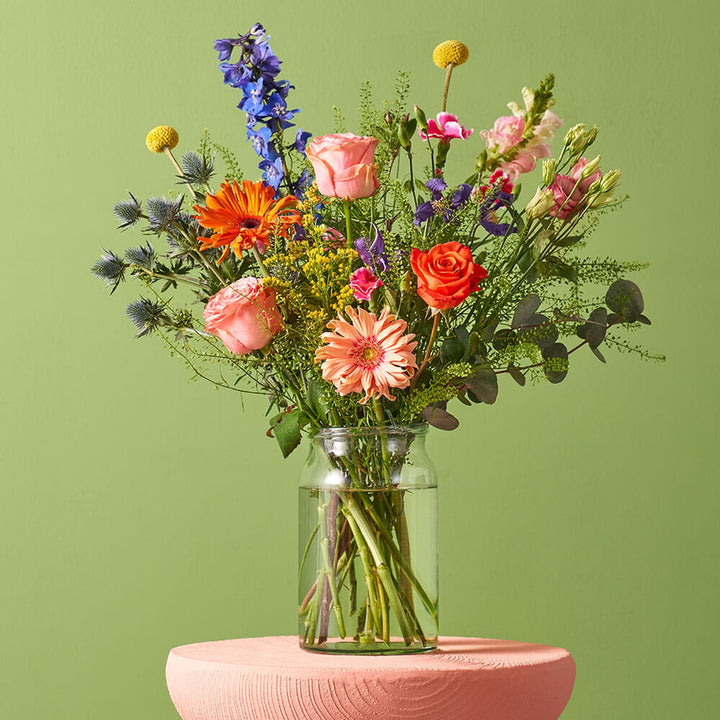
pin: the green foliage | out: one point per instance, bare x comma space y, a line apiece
545, 298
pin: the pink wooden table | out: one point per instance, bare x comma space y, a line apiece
270, 678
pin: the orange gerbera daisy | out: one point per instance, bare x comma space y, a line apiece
243, 217
367, 354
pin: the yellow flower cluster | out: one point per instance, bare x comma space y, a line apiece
450, 51
161, 137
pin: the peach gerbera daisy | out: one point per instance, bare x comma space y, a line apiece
367, 354
245, 216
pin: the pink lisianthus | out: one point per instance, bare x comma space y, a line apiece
243, 315
344, 165
446, 127
570, 190
363, 282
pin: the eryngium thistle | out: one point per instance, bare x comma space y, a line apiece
163, 214
146, 315
197, 169
144, 256
111, 269
128, 213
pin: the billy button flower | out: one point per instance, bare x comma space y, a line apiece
448, 55
162, 139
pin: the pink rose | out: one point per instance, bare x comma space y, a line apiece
570, 190
243, 315
446, 127
363, 282
344, 165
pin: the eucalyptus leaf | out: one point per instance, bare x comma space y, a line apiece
540, 330
439, 418
598, 354
516, 374
556, 362
525, 310
483, 384
624, 297
596, 327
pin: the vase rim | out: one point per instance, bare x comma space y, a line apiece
369, 430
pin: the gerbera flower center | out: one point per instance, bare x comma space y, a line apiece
368, 353
250, 223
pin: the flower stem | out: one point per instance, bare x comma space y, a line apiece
348, 224
448, 73
259, 261
172, 159
426, 359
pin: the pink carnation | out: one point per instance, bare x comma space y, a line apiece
446, 127
569, 193
363, 282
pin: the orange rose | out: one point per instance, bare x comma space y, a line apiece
446, 274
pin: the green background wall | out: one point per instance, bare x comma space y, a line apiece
139, 511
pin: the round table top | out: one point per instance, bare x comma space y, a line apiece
271, 678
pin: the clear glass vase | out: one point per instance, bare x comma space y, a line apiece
368, 572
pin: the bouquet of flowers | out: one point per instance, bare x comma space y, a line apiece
355, 284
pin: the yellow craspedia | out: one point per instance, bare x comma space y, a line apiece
450, 51
163, 136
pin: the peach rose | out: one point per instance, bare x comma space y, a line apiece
344, 165
446, 274
243, 315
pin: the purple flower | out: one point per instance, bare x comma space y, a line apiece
489, 205
436, 186
301, 139
461, 195
373, 254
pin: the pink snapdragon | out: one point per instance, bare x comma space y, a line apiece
446, 128
507, 133
364, 283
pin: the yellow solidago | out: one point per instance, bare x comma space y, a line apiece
450, 51
343, 298
161, 137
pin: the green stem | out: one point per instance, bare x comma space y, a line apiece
446, 87
259, 261
348, 224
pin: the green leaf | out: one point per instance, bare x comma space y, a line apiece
624, 297
525, 310
315, 401
516, 374
596, 327
439, 418
540, 330
483, 384
288, 430
556, 362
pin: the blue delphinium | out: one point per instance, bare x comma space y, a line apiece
255, 74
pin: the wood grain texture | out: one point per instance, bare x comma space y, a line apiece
271, 678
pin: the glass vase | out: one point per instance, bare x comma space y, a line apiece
368, 557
